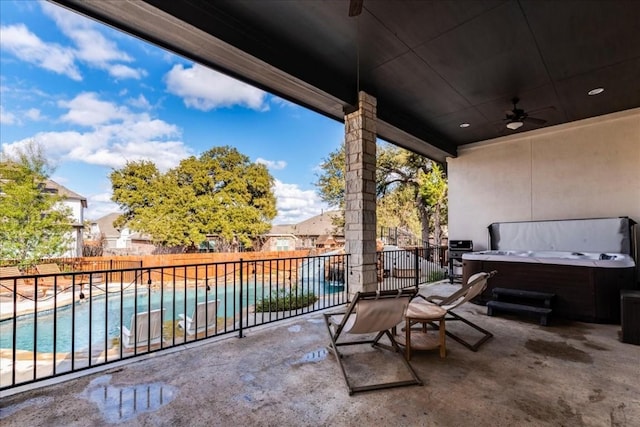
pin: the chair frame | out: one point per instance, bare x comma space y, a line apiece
135, 325
458, 298
351, 310
18, 285
201, 324
52, 277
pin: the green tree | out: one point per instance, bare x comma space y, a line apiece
34, 224
397, 209
220, 193
411, 189
433, 191
331, 181
400, 169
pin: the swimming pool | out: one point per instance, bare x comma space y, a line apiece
100, 321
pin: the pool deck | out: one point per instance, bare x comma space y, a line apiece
281, 374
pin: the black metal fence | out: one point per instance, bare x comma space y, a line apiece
406, 268
55, 324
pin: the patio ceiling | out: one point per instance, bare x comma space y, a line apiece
432, 65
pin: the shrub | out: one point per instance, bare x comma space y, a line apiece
436, 276
284, 300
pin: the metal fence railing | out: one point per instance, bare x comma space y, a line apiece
406, 268
55, 324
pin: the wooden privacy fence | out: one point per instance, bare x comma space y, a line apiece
221, 267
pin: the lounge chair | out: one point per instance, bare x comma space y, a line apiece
19, 286
145, 331
371, 313
204, 316
50, 280
474, 287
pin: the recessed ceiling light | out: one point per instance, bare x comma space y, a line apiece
464, 125
596, 91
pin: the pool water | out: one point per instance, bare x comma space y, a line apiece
102, 319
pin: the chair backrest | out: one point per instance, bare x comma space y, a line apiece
474, 287
48, 269
148, 325
376, 311
10, 272
205, 312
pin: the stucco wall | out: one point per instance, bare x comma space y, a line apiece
585, 169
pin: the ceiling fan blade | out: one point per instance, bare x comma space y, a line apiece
355, 7
534, 120
545, 109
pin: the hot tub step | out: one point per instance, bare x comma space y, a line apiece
545, 297
503, 306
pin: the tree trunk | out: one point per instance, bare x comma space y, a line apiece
424, 219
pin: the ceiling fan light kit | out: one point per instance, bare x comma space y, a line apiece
516, 117
514, 125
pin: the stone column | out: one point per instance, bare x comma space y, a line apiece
360, 194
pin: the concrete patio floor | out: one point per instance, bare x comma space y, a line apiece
566, 374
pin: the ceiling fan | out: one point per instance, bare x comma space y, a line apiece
516, 117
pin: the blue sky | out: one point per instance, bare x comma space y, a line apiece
94, 98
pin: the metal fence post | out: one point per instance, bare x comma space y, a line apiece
240, 305
416, 267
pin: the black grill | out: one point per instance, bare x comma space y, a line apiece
456, 249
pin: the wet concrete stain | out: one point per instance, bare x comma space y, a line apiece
618, 416
36, 401
596, 395
558, 350
247, 378
545, 410
314, 356
124, 403
595, 346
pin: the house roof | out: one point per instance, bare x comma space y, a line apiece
318, 225
315, 226
282, 229
432, 65
105, 225
53, 186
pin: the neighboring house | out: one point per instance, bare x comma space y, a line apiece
121, 241
317, 232
76, 203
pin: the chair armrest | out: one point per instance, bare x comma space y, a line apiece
435, 298
126, 332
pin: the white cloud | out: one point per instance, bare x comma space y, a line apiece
7, 117
139, 102
117, 135
28, 47
294, 204
17, 118
204, 89
99, 205
272, 164
33, 114
91, 47
87, 110
120, 71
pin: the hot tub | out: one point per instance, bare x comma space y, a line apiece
587, 284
